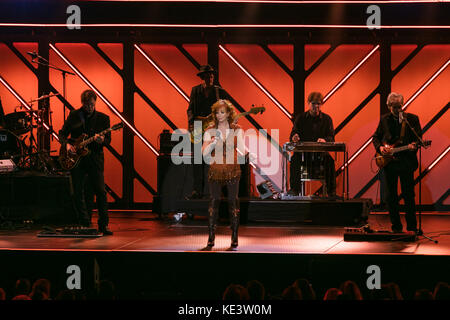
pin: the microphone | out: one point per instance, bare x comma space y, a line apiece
33, 54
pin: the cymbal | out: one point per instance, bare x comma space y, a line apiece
44, 97
32, 110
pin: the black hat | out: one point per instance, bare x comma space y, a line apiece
206, 69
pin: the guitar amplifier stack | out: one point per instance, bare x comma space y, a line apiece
165, 142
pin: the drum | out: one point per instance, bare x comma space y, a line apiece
18, 122
10, 146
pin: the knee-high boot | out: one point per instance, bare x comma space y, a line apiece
213, 211
234, 217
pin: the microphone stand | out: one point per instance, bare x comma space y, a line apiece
421, 144
44, 62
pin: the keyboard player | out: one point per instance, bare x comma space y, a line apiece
313, 126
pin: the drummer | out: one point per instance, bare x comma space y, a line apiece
313, 126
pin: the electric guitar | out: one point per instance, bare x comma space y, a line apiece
383, 159
70, 160
197, 134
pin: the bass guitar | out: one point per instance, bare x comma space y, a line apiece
69, 160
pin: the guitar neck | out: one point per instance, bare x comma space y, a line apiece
243, 114
400, 149
87, 141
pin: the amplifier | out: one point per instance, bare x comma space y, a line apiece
7, 165
165, 142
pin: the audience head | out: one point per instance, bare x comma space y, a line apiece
306, 289
41, 290
2, 294
23, 287
423, 294
255, 290
394, 291
441, 291
291, 293
235, 292
21, 297
350, 291
332, 294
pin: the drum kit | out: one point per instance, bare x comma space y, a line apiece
18, 142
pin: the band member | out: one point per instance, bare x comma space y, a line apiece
2, 115
203, 96
313, 126
91, 167
393, 129
222, 144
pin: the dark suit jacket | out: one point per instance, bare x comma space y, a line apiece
76, 124
388, 132
311, 128
200, 105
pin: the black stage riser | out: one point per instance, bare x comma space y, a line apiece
318, 212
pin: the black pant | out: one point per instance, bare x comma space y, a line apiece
311, 161
91, 169
392, 172
200, 176
232, 190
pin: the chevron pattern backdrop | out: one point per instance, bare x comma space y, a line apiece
260, 74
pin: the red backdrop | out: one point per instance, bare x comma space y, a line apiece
268, 73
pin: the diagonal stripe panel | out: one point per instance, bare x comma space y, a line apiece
354, 134
146, 165
114, 51
338, 64
162, 73
436, 182
353, 91
95, 69
159, 90
267, 72
245, 91
18, 76
399, 52
286, 54
350, 74
313, 52
198, 51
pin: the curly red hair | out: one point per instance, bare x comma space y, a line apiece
228, 107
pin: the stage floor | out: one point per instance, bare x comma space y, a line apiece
144, 232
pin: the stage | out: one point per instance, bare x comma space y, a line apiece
148, 257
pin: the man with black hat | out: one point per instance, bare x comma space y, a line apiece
313, 126
203, 96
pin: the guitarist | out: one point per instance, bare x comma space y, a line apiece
89, 121
203, 96
393, 130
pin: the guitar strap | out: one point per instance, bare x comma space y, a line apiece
217, 93
83, 120
402, 133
